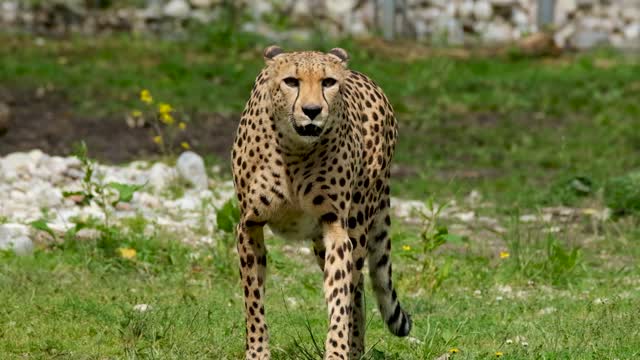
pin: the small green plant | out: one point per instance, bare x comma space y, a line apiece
569, 190
226, 217
432, 236
93, 188
622, 194
561, 262
548, 260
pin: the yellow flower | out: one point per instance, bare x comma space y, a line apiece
406, 247
164, 108
185, 145
136, 113
127, 253
167, 118
182, 126
146, 97
499, 354
504, 254
454, 351
157, 139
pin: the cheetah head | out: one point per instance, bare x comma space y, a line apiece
305, 90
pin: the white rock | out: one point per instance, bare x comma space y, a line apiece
617, 40
177, 9
45, 195
562, 10
586, 38
631, 13
160, 176
482, 10
422, 28
465, 216
590, 22
339, 7
203, 16
451, 9
357, 28
9, 11
56, 166
465, 10
300, 8
15, 237
520, 18
259, 8
202, 3
561, 37
20, 164
190, 167
498, 32
408, 208
632, 31
186, 203
430, 14
146, 200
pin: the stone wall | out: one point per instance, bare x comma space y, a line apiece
576, 23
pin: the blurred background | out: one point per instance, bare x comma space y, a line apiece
516, 179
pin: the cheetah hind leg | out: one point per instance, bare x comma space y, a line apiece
379, 245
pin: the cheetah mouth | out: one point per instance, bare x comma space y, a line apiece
308, 130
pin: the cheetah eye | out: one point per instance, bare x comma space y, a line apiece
328, 82
291, 82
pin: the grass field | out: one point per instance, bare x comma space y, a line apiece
528, 134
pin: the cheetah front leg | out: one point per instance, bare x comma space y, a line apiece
358, 320
339, 280
253, 264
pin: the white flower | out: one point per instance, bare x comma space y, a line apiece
601, 301
142, 307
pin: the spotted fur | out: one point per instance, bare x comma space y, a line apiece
311, 159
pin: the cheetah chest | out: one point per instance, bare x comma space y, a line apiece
294, 224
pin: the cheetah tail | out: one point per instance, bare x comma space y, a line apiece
398, 320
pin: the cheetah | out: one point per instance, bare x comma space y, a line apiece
311, 160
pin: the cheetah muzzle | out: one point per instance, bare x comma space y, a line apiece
311, 160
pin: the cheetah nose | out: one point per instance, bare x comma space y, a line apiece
312, 111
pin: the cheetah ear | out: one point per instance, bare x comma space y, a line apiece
340, 54
271, 52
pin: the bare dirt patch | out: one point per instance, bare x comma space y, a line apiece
47, 121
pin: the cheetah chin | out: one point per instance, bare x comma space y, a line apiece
310, 130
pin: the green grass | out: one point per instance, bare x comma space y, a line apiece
525, 132
75, 300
